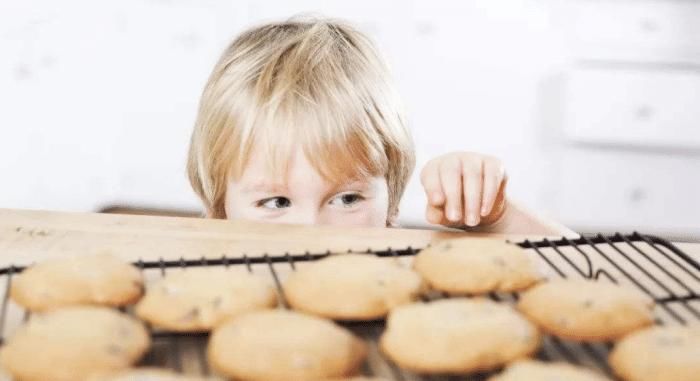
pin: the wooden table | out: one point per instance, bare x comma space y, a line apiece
27, 236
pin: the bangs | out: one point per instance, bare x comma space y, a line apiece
312, 95
339, 141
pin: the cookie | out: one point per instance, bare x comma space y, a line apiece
457, 336
352, 287
531, 370
284, 345
100, 279
658, 354
584, 310
147, 374
198, 299
73, 344
476, 266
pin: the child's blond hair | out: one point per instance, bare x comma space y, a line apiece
315, 84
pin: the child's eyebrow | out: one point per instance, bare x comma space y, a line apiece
264, 187
353, 184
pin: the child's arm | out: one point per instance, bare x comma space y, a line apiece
466, 188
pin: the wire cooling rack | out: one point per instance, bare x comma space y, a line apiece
649, 263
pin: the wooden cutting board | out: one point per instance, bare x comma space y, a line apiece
28, 236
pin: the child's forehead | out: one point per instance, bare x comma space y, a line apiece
277, 169
262, 185
262, 175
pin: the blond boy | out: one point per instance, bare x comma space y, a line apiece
300, 123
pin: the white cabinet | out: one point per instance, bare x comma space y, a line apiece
608, 190
634, 30
629, 153
633, 107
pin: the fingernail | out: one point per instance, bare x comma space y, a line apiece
453, 215
484, 212
472, 220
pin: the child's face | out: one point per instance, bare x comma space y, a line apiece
305, 197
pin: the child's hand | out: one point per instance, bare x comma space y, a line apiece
464, 188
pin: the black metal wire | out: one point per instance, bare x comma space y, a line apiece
530, 245
632, 279
5, 299
584, 274
278, 284
641, 268
548, 250
203, 362
175, 356
656, 244
563, 350
589, 274
291, 262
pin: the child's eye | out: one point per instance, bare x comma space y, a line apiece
347, 199
274, 203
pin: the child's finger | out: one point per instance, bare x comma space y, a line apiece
499, 206
472, 178
435, 215
430, 179
493, 176
451, 180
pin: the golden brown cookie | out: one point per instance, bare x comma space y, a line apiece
147, 374
352, 287
585, 310
531, 370
198, 299
457, 336
284, 345
658, 354
476, 266
73, 344
100, 279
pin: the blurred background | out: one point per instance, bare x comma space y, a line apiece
593, 105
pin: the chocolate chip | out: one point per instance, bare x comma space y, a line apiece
191, 314
498, 261
114, 350
137, 284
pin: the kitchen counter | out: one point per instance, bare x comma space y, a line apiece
27, 236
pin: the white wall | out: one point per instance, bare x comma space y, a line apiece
97, 100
